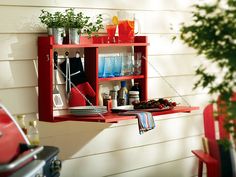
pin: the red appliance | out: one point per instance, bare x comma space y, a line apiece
18, 157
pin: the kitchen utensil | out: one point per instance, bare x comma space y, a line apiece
57, 100
68, 84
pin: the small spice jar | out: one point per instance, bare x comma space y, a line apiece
106, 98
113, 94
133, 97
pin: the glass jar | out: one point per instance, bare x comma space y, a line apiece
133, 97
21, 121
106, 98
33, 133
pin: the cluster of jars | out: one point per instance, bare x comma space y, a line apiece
31, 131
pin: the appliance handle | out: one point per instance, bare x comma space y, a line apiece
20, 160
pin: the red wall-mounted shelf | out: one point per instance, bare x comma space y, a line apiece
46, 48
91, 47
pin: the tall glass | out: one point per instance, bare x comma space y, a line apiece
127, 64
111, 31
108, 66
117, 65
101, 64
137, 63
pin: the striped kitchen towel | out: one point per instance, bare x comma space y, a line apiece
145, 120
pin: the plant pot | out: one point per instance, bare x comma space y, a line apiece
50, 31
74, 37
58, 34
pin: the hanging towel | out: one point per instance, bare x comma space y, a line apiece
145, 120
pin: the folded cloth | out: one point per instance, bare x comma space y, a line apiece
76, 98
145, 120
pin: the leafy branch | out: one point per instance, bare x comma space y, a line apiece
213, 34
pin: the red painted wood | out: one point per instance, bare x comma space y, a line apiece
177, 109
108, 118
46, 47
10, 139
209, 126
143, 82
213, 168
222, 132
114, 117
211, 163
204, 157
101, 42
200, 168
45, 86
91, 69
222, 113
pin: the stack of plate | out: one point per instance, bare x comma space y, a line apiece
88, 110
123, 108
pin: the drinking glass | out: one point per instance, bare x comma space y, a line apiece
117, 65
111, 31
127, 64
101, 64
108, 66
137, 63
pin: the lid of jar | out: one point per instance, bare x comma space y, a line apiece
113, 94
20, 116
33, 123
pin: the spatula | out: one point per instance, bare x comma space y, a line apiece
57, 100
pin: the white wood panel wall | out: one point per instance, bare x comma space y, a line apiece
97, 149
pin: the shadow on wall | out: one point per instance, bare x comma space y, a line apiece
18, 73
69, 136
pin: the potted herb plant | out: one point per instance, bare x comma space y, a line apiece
55, 24
213, 34
47, 19
78, 23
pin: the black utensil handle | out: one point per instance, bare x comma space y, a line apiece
55, 55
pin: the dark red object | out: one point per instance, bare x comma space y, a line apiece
76, 98
10, 137
18, 157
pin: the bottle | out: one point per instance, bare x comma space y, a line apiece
21, 121
136, 87
123, 94
33, 133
